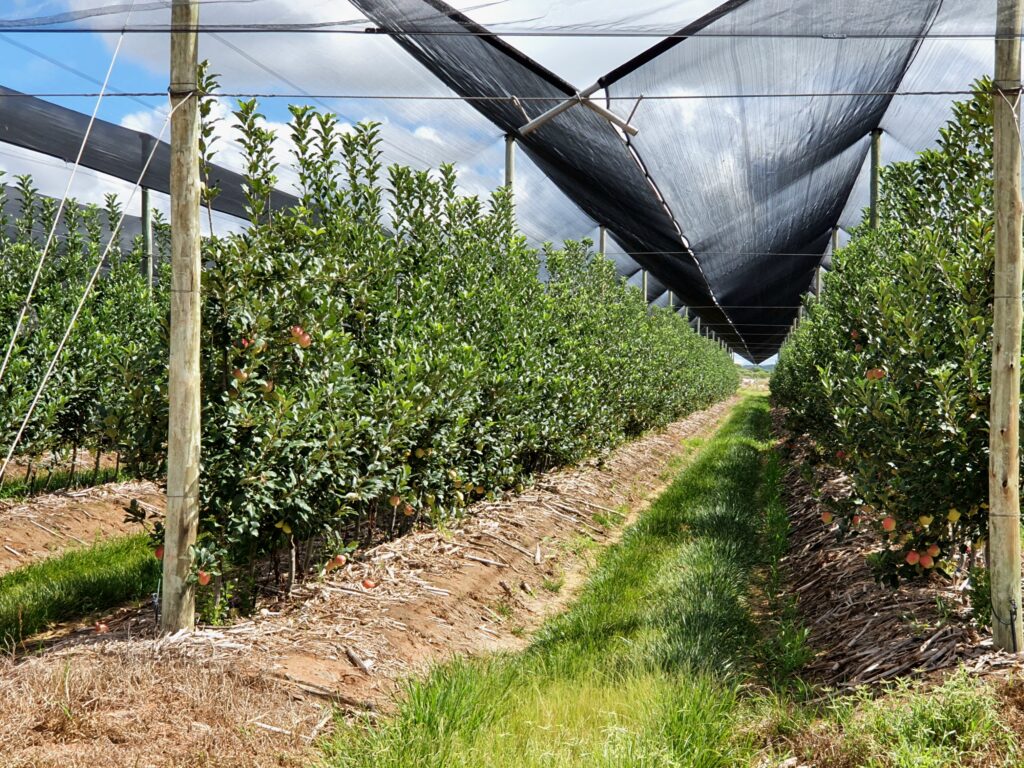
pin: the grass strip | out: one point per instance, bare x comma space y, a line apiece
59, 480
75, 583
684, 650
646, 668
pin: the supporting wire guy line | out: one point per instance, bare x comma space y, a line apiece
60, 209
506, 97
114, 234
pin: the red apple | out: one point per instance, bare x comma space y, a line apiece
338, 561
913, 557
239, 375
854, 334
159, 552
304, 340
927, 561
394, 501
826, 518
840, 454
101, 628
856, 520
934, 550
203, 578
369, 584
889, 524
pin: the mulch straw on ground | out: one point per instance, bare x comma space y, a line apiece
864, 632
346, 639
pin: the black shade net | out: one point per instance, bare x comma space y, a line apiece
753, 130
753, 134
49, 129
579, 150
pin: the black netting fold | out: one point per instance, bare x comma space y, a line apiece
40, 126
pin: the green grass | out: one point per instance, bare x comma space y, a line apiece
59, 480
75, 584
959, 723
684, 649
646, 669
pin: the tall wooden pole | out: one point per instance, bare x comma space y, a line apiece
835, 240
602, 241
1004, 444
671, 300
510, 161
147, 237
876, 174
178, 605
643, 283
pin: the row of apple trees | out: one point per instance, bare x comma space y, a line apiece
90, 395
381, 353
890, 370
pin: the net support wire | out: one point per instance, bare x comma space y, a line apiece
114, 234
63, 203
580, 97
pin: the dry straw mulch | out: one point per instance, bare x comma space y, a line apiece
261, 691
865, 633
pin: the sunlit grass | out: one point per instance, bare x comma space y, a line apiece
644, 669
75, 584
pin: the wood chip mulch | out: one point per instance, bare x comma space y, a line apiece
865, 633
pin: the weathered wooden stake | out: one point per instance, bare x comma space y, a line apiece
1004, 444
671, 300
147, 237
876, 174
643, 283
835, 240
178, 605
510, 162
602, 241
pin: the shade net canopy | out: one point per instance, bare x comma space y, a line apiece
753, 128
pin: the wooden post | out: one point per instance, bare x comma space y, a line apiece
1003, 552
817, 281
510, 162
671, 301
178, 606
643, 283
698, 325
835, 240
602, 240
147, 237
876, 174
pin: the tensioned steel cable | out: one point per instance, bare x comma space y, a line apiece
114, 233
60, 209
67, 67
351, 27
509, 98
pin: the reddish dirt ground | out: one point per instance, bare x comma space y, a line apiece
261, 691
46, 525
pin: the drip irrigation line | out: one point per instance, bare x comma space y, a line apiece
60, 210
114, 233
713, 253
